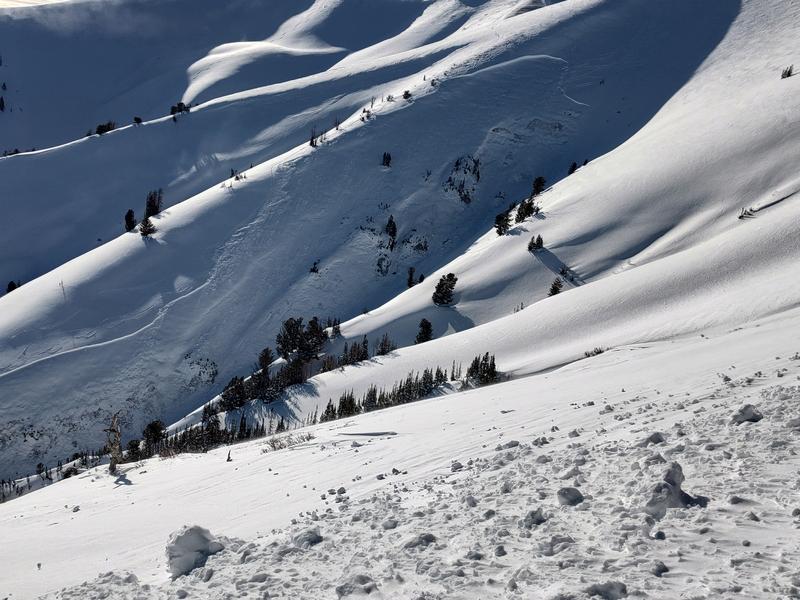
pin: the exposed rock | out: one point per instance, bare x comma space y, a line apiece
422, 540
747, 414
569, 496
307, 538
356, 585
659, 568
611, 590
668, 494
532, 519
653, 438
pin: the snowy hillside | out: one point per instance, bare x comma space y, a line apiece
337, 159
457, 497
156, 327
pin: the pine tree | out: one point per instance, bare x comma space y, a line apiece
329, 414
538, 186
385, 345
11, 287
536, 243
501, 223
425, 333
265, 359
443, 294
288, 339
234, 395
152, 435
153, 203
130, 220
572, 168
410, 280
2, 104
146, 227
391, 227
555, 287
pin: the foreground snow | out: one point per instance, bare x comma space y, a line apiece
405, 523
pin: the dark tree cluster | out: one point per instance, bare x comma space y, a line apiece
386, 161
12, 285
104, 128
153, 203
536, 243
391, 231
502, 222
482, 370
555, 287
443, 294
412, 279
298, 344
425, 333
130, 220
179, 108
414, 387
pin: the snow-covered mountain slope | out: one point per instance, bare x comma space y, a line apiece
156, 327
596, 416
650, 231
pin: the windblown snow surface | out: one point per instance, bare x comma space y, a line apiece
681, 112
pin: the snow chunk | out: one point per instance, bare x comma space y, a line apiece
188, 548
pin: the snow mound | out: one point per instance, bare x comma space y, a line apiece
188, 548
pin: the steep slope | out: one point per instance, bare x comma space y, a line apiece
650, 232
155, 327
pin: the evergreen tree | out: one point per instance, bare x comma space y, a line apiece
265, 359
130, 220
391, 227
152, 435
234, 395
425, 333
387, 160
133, 451
289, 338
410, 280
536, 243
146, 227
347, 406
555, 287
370, 401
572, 168
385, 345
443, 294
329, 414
11, 287
2, 104
312, 340
501, 223
538, 186
153, 203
